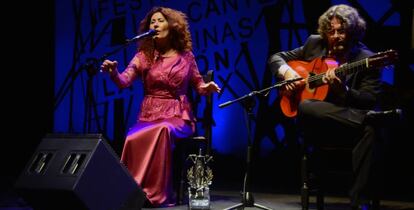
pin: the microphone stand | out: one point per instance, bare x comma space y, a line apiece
248, 105
262, 91
126, 44
91, 66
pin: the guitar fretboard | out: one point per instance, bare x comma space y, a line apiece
344, 69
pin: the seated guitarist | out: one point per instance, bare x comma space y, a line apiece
342, 112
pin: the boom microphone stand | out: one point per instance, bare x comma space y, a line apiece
248, 105
91, 66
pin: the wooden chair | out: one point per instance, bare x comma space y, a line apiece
326, 168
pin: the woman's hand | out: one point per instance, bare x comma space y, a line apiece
109, 66
211, 87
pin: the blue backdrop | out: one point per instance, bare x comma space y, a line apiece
232, 37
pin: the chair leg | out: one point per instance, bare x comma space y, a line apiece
179, 172
180, 193
320, 203
183, 177
305, 196
305, 188
375, 204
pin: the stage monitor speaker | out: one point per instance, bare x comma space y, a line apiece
77, 172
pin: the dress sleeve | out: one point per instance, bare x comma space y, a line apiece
195, 77
134, 69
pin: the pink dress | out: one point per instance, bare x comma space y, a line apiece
165, 117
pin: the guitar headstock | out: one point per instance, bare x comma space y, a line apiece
382, 59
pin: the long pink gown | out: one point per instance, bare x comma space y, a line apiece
165, 116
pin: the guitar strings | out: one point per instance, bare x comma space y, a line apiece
340, 70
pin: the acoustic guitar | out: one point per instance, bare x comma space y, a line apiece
315, 70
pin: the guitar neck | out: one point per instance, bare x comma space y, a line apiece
341, 71
351, 68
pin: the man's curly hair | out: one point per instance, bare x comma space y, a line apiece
351, 21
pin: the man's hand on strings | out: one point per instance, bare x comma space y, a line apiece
290, 87
335, 83
330, 77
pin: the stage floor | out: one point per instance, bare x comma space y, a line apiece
225, 199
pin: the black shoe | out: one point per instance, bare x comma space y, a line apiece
147, 204
384, 117
367, 206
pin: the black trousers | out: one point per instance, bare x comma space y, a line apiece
326, 124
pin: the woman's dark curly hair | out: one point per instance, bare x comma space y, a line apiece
352, 22
179, 34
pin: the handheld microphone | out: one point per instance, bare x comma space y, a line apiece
143, 35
